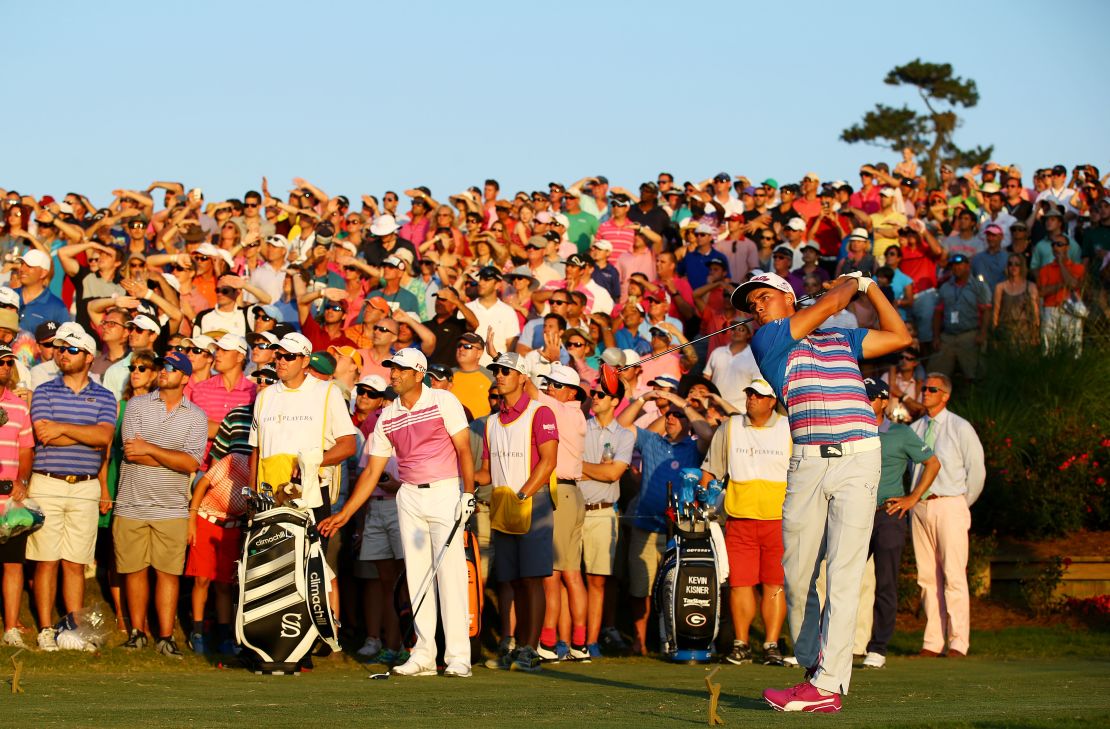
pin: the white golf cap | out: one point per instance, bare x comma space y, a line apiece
613, 356
602, 245
35, 258
277, 240
144, 322
384, 225
631, 358
232, 342
75, 336
375, 382
512, 361
9, 296
796, 224
200, 341
760, 387
267, 337
707, 229
295, 343
347, 246
409, 358
763, 280
887, 192
664, 381
567, 376
395, 262
859, 234
173, 282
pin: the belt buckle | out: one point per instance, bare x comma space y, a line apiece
71, 479
832, 450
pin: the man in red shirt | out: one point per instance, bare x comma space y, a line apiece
1059, 281
808, 205
920, 258
329, 331
618, 230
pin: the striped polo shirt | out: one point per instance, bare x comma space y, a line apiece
817, 378
213, 397
15, 434
156, 492
233, 435
420, 437
93, 405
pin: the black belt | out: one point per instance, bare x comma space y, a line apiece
421, 485
69, 478
599, 505
568, 481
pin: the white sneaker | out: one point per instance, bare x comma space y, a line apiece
413, 668
47, 640
874, 660
457, 670
578, 655
14, 638
547, 654
790, 660
371, 648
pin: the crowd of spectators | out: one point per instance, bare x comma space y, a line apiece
136, 339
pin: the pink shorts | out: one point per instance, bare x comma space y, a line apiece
215, 553
754, 549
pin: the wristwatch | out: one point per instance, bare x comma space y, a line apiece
522, 496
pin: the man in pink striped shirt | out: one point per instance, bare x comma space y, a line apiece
428, 432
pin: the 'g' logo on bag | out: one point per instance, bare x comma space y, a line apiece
290, 625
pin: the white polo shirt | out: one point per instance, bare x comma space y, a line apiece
504, 321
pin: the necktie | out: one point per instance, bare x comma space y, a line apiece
931, 441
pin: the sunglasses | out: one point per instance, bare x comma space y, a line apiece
287, 356
136, 226
1060, 245
170, 368
333, 307
500, 370
368, 392
489, 278
263, 346
600, 393
558, 385
263, 317
193, 350
71, 350
250, 205
264, 380
9, 362
227, 291
47, 345
575, 345
928, 388
93, 260
200, 257
558, 302
465, 345
385, 330
139, 368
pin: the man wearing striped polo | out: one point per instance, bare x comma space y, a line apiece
164, 439
834, 469
74, 420
427, 431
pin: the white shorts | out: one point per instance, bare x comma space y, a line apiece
72, 512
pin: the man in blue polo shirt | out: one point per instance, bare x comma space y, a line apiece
74, 420
834, 470
696, 257
37, 303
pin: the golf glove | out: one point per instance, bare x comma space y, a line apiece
862, 282
466, 506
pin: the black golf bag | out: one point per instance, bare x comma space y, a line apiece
284, 584
687, 590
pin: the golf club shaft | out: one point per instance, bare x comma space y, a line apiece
730, 327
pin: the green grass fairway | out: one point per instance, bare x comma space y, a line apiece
1017, 687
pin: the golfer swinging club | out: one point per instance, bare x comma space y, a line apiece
428, 432
834, 470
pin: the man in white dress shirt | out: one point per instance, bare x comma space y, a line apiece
942, 518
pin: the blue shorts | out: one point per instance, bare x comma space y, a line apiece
516, 556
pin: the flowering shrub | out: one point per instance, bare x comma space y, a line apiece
1044, 422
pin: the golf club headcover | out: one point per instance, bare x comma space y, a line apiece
466, 506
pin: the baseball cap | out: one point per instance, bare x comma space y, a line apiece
395, 262
1059, 170
277, 240
269, 310
578, 260
346, 351
544, 218
295, 343
602, 245
704, 228
991, 188
179, 362
144, 322
46, 331
73, 336
812, 176
770, 182
201, 341
375, 382
760, 387
35, 258
473, 338
783, 250
859, 234
440, 372
796, 224
490, 272
994, 229
512, 361
665, 381
384, 225
613, 356
408, 358
564, 375
267, 337
876, 388
631, 358
763, 280
810, 244
9, 297
887, 192
957, 258
232, 342
1053, 211
322, 362
661, 332
722, 177
6, 352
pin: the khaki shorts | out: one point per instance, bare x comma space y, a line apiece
72, 512
645, 550
157, 543
599, 541
569, 518
381, 537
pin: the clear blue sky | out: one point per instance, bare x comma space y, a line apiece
361, 96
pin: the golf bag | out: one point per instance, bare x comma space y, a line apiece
284, 584
686, 591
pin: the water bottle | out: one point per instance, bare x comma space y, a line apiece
607, 453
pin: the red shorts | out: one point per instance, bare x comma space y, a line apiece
754, 549
215, 552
